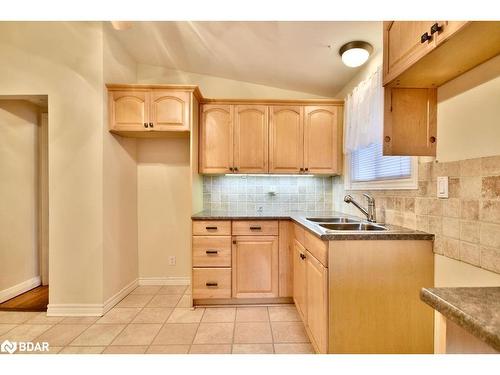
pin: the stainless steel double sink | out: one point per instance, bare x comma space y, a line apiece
345, 224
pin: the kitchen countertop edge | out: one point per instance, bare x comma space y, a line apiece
484, 332
299, 218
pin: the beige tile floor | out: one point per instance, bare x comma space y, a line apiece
159, 320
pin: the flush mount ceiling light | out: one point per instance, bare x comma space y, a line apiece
355, 53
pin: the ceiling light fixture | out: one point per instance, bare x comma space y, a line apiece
355, 53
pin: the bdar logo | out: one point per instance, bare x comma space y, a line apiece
8, 347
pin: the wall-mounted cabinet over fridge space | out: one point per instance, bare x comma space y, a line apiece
150, 111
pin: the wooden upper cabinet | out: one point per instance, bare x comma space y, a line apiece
403, 45
286, 139
321, 140
150, 110
128, 110
251, 133
447, 29
170, 110
255, 267
317, 302
216, 139
410, 122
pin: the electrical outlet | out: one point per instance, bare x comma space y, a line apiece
171, 260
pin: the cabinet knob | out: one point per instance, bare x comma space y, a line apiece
387, 139
236, 169
425, 37
301, 169
302, 256
306, 169
436, 28
151, 124
145, 124
231, 169
432, 139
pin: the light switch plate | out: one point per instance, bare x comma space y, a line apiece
442, 187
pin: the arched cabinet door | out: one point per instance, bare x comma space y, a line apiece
128, 110
170, 110
322, 140
251, 133
286, 139
216, 139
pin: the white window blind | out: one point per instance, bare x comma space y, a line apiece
368, 164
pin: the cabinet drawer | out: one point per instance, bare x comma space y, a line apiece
211, 251
212, 228
257, 227
317, 247
211, 283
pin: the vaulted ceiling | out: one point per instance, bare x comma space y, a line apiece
301, 56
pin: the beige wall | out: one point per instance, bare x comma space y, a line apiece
64, 61
120, 255
216, 87
19, 258
164, 207
469, 114
468, 127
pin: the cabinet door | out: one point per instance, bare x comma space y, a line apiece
216, 139
286, 139
299, 279
251, 139
170, 110
255, 266
321, 140
410, 122
317, 302
403, 45
448, 28
128, 110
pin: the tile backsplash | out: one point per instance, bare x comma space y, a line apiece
466, 225
267, 193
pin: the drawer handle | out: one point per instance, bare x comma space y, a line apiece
256, 228
211, 228
425, 37
436, 28
211, 284
210, 252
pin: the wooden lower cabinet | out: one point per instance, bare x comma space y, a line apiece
211, 283
299, 279
375, 308
310, 294
317, 303
255, 267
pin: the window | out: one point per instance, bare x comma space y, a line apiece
367, 168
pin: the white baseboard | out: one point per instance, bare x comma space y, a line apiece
164, 281
71, 309
117, 297
20, 288
91, 309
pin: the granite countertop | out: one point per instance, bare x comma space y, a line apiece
477, 309
394, 232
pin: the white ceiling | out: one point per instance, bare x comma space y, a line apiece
287, 55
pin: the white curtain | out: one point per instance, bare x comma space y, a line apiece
364, 114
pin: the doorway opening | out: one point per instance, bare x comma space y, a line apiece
24, 240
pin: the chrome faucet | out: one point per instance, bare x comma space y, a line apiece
370, 213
